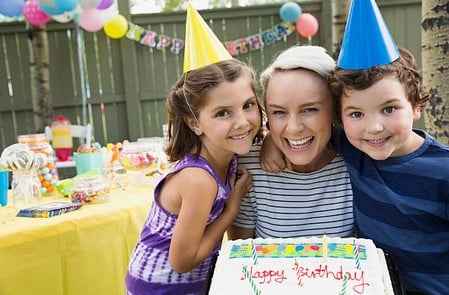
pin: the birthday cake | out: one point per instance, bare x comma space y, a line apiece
301, 266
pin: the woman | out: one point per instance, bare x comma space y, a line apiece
313, 195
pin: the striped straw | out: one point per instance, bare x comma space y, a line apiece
343, 287
356, 255
251, 281
253, 252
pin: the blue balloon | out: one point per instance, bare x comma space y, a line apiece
50, 10
290, 11
66, 5
11, 7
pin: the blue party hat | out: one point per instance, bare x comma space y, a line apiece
367, 42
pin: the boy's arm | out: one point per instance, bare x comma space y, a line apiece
271, 158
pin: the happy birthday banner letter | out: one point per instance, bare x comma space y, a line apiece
152, 39
257, 41
253, 42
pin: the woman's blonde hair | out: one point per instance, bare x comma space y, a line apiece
313, 58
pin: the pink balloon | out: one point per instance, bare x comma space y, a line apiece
307, 25
34, 15
91, 20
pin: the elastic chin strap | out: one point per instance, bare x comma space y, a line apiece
185, 98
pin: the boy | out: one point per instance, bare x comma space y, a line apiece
399, 176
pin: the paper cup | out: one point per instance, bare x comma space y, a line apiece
88, 161
4, 187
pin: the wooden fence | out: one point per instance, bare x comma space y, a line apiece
131, 79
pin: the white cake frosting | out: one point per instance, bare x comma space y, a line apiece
301, 266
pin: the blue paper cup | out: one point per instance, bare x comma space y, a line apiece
89, 161
4, 187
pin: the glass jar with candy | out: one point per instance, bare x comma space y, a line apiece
47, 175
92, 189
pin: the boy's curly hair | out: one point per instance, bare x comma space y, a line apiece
404, 68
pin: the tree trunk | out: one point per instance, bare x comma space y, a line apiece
435, 61
40, 77
339, 15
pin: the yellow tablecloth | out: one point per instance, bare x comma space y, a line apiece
78, 253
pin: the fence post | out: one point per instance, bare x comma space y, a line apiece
326, 25
130, 75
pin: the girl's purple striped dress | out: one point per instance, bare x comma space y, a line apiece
149, 271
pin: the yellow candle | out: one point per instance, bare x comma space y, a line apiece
325, 248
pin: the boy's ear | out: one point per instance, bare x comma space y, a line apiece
194, 125
416, 112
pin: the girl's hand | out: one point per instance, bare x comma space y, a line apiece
271, 158
240, 185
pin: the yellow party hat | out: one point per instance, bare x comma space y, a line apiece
202, 47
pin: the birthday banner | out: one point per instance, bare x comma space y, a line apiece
93, 15
239, 46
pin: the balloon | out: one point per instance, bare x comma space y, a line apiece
76, 13
46, 2
117, 27
105, 4
109, 13
66, 5
11, 7
34, 15
89, 4
307, 25
50, 9
65, 17
91, 20
290, 11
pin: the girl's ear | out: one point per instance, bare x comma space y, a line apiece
194, 125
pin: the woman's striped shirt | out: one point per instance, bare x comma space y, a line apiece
293, 204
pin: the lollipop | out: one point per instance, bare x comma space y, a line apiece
18, 157
24, 163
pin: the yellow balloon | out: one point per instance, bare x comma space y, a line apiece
116, 27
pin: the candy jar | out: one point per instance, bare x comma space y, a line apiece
47, 175
91, 189
144, 156
24, 164
26, 188
62, 140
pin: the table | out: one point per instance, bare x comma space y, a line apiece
78, 253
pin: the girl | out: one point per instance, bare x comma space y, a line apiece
213, 115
